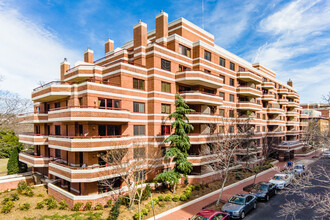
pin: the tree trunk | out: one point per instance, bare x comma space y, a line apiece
223, 185
139, 210
174, 187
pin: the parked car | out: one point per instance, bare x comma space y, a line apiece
326, 154
281, 180
299, 169
240, 204
262, 190
208, 214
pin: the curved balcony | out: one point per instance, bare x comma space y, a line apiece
198, 78
248, 91
85, 174
249, 77
268, 97
51, 91
199, 117
30, 118
89, 113
292, 123
292, 114
33, 160
273, 110
198, 160
33, 139
89, 143
283, 101
304, 116
248, 106
276, 133
282, 91
275, 122
292, 132
198, 97
268, 85
304, 123
293, 95
289, 145
293, 104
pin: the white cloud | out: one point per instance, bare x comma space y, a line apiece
29, 53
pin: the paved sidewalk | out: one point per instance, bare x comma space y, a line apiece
187, 212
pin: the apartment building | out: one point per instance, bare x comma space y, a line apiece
123, 100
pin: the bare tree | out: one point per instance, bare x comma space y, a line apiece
326, 98
314, 137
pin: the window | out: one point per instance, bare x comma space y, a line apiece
139, 176
231, 113
138, 107
166, 65
222, 62
139, 153
57, 153
109, 130
166, 108
264, 117
232, 82
207, 55
166, 87
222, 112
231, 98
231, 129
258, 115
139, 129
258, 129
232, 66
222, 95
210, 91
80, 101
57, 130
166, 129
184, 50
138, 84
109, 103
183, 68
263, 128
241, 69
264, 79
221, 129
57, 105
223, 78
207, 71
37, 129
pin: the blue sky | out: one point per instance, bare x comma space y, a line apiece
290, 37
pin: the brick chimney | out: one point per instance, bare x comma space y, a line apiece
162, 27
290, 83
89, 56
140, 43
65, 66
108, 46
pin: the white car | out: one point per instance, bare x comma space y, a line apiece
299, 169
281, 180
326, 154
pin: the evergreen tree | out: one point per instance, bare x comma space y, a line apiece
8, 141
179, 142
13, 165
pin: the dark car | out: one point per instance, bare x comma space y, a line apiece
240, 204
264, 190
208, 214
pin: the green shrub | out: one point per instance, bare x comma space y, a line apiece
14, 197
145, 211
186, 182
155, 200
183, 197
176, 198
76, 207
40, 195
28, 192
63, 205
25, 206
198, 187
13, 162
146, 193
22, 185
161, 198
238, 176
40, 205
88, 206
124, 200
114, 213
136, 216
148, 206
168, 197
187, 194
5, 200
98, 206
109, 203
6, 208
50, 203
191, 187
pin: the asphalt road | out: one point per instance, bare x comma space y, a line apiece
269, 210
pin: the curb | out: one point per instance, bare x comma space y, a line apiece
209, 195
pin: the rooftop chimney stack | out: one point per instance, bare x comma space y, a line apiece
162, 28
65, 66
108, 46
290, 83
89, 56
140, 43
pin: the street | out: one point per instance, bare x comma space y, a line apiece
270, 210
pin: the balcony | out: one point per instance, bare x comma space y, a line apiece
89, 113
268, 97
249, 77
242, 105
51, 91
248, 91
283, 101
89, 143
304, 123
292, 132
30, 118
293, 95
33, 160
289, 145
198, 97
33, 139
282, 91
305, 116
192, 78
82, 72
276, 133
293, 104
198, 138
292, 114
85, 174
268, 85
198, 160
292, 123
274, 110
199, 117
275, 122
